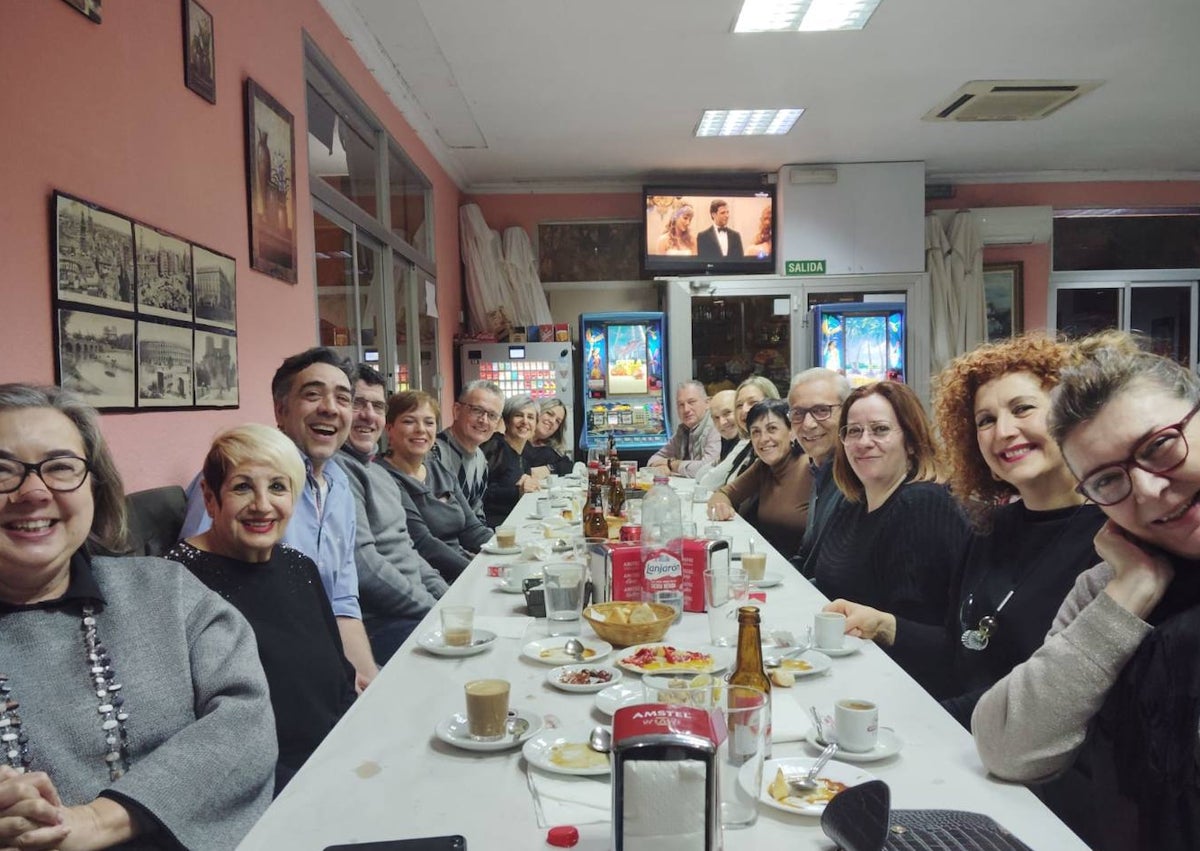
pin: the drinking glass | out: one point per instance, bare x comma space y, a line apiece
724, 590
563, 585
747, 714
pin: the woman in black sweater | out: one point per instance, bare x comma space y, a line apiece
510, 474
1032, 531
547, 451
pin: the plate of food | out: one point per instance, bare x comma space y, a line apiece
618, 696
583, 678
807, 664
775, 791
553, 651
658, 658
565, 751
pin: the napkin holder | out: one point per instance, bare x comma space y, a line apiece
664, 779
617, 569
535, 596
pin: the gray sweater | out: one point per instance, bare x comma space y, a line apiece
393, 579
470, 468
440, 520
201, 730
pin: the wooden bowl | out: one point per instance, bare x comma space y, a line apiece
599, 615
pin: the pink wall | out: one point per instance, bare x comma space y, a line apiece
526, 210
101, 112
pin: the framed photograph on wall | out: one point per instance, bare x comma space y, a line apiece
165, 363
1003, 296
164, 274
199, 52
271, 184
214, 288
91, 8
216, 370
93, 251
95, 357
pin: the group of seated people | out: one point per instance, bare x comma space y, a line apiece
1030, 558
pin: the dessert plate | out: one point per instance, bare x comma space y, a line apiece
565, 752
832, 778
553, 651
594, 684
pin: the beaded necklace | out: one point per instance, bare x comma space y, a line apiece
14, 741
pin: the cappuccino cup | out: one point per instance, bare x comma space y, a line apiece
487, 709
506, 536
755, 565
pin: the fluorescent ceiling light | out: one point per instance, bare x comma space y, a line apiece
803, 15
747, 122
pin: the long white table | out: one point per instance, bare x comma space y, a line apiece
381, 774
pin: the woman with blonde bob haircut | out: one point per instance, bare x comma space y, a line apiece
894, 543
250, 480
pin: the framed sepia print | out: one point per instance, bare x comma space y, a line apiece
1003, 297
271, 184
95, 357
199, 56
216, 370
91, 8
164, 274
164, 364
93, 251
214, 288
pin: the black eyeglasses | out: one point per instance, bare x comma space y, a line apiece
820, 413
1161, 452
61, 474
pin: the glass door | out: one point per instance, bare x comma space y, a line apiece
736, 336
1088, 309
431, 373
1161, 312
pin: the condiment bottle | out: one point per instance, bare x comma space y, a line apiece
748, 670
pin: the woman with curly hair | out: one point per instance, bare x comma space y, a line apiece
1032, 532
677, 237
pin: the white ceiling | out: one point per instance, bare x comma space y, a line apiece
525, 94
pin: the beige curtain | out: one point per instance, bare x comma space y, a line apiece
954, 261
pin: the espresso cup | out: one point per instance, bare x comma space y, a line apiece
829, 630
755, 565
506, 536
487, 709
857, 725
457, 625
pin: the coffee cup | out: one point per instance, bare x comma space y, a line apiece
513, 576
506, 536
541, 508
755, 565
829, 630
487, 709
856, 723
458, 623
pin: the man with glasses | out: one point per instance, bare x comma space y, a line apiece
476, 414
397, 586
815, 401
313, 405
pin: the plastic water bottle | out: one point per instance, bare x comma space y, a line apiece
662, 546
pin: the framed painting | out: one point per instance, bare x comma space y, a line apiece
165, 366
214, 288
164, 274
93, 255
271, 184
216, 370
199, 56
95, 357
1004, 301
91, 8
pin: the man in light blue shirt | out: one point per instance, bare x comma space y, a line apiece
313, 398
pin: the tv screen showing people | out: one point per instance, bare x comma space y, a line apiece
715, 231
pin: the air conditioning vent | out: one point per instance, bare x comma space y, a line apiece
1009, 100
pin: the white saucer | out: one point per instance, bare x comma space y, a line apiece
497, 550
454, 731
770, 579
819, 661
837, 771
553, 677
888, 744
850, 644
538, 750
618, 696
481, 639
554, 650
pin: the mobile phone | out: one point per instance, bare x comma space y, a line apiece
427, 843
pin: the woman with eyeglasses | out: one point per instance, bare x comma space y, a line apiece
750, 392
779, 479
510, 475
548, 453
1032, 531
895, 541
1109, 705
133, 707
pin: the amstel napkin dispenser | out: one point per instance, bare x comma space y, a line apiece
664, 779
617, 570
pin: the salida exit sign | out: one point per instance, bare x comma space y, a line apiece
804, 267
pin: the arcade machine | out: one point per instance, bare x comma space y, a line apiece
540, 370
625, 389
863, 341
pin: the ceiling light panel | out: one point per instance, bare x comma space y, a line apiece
803, 15
747, 122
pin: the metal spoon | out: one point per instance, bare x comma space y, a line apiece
817, 724
600, 740
574, 649
776, 661
516, 727
808, 782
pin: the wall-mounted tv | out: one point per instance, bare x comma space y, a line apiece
709, 229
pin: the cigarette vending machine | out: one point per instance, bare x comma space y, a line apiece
540, 370
624, 381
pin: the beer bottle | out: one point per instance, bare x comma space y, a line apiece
594, 524
616, 490
748, 669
